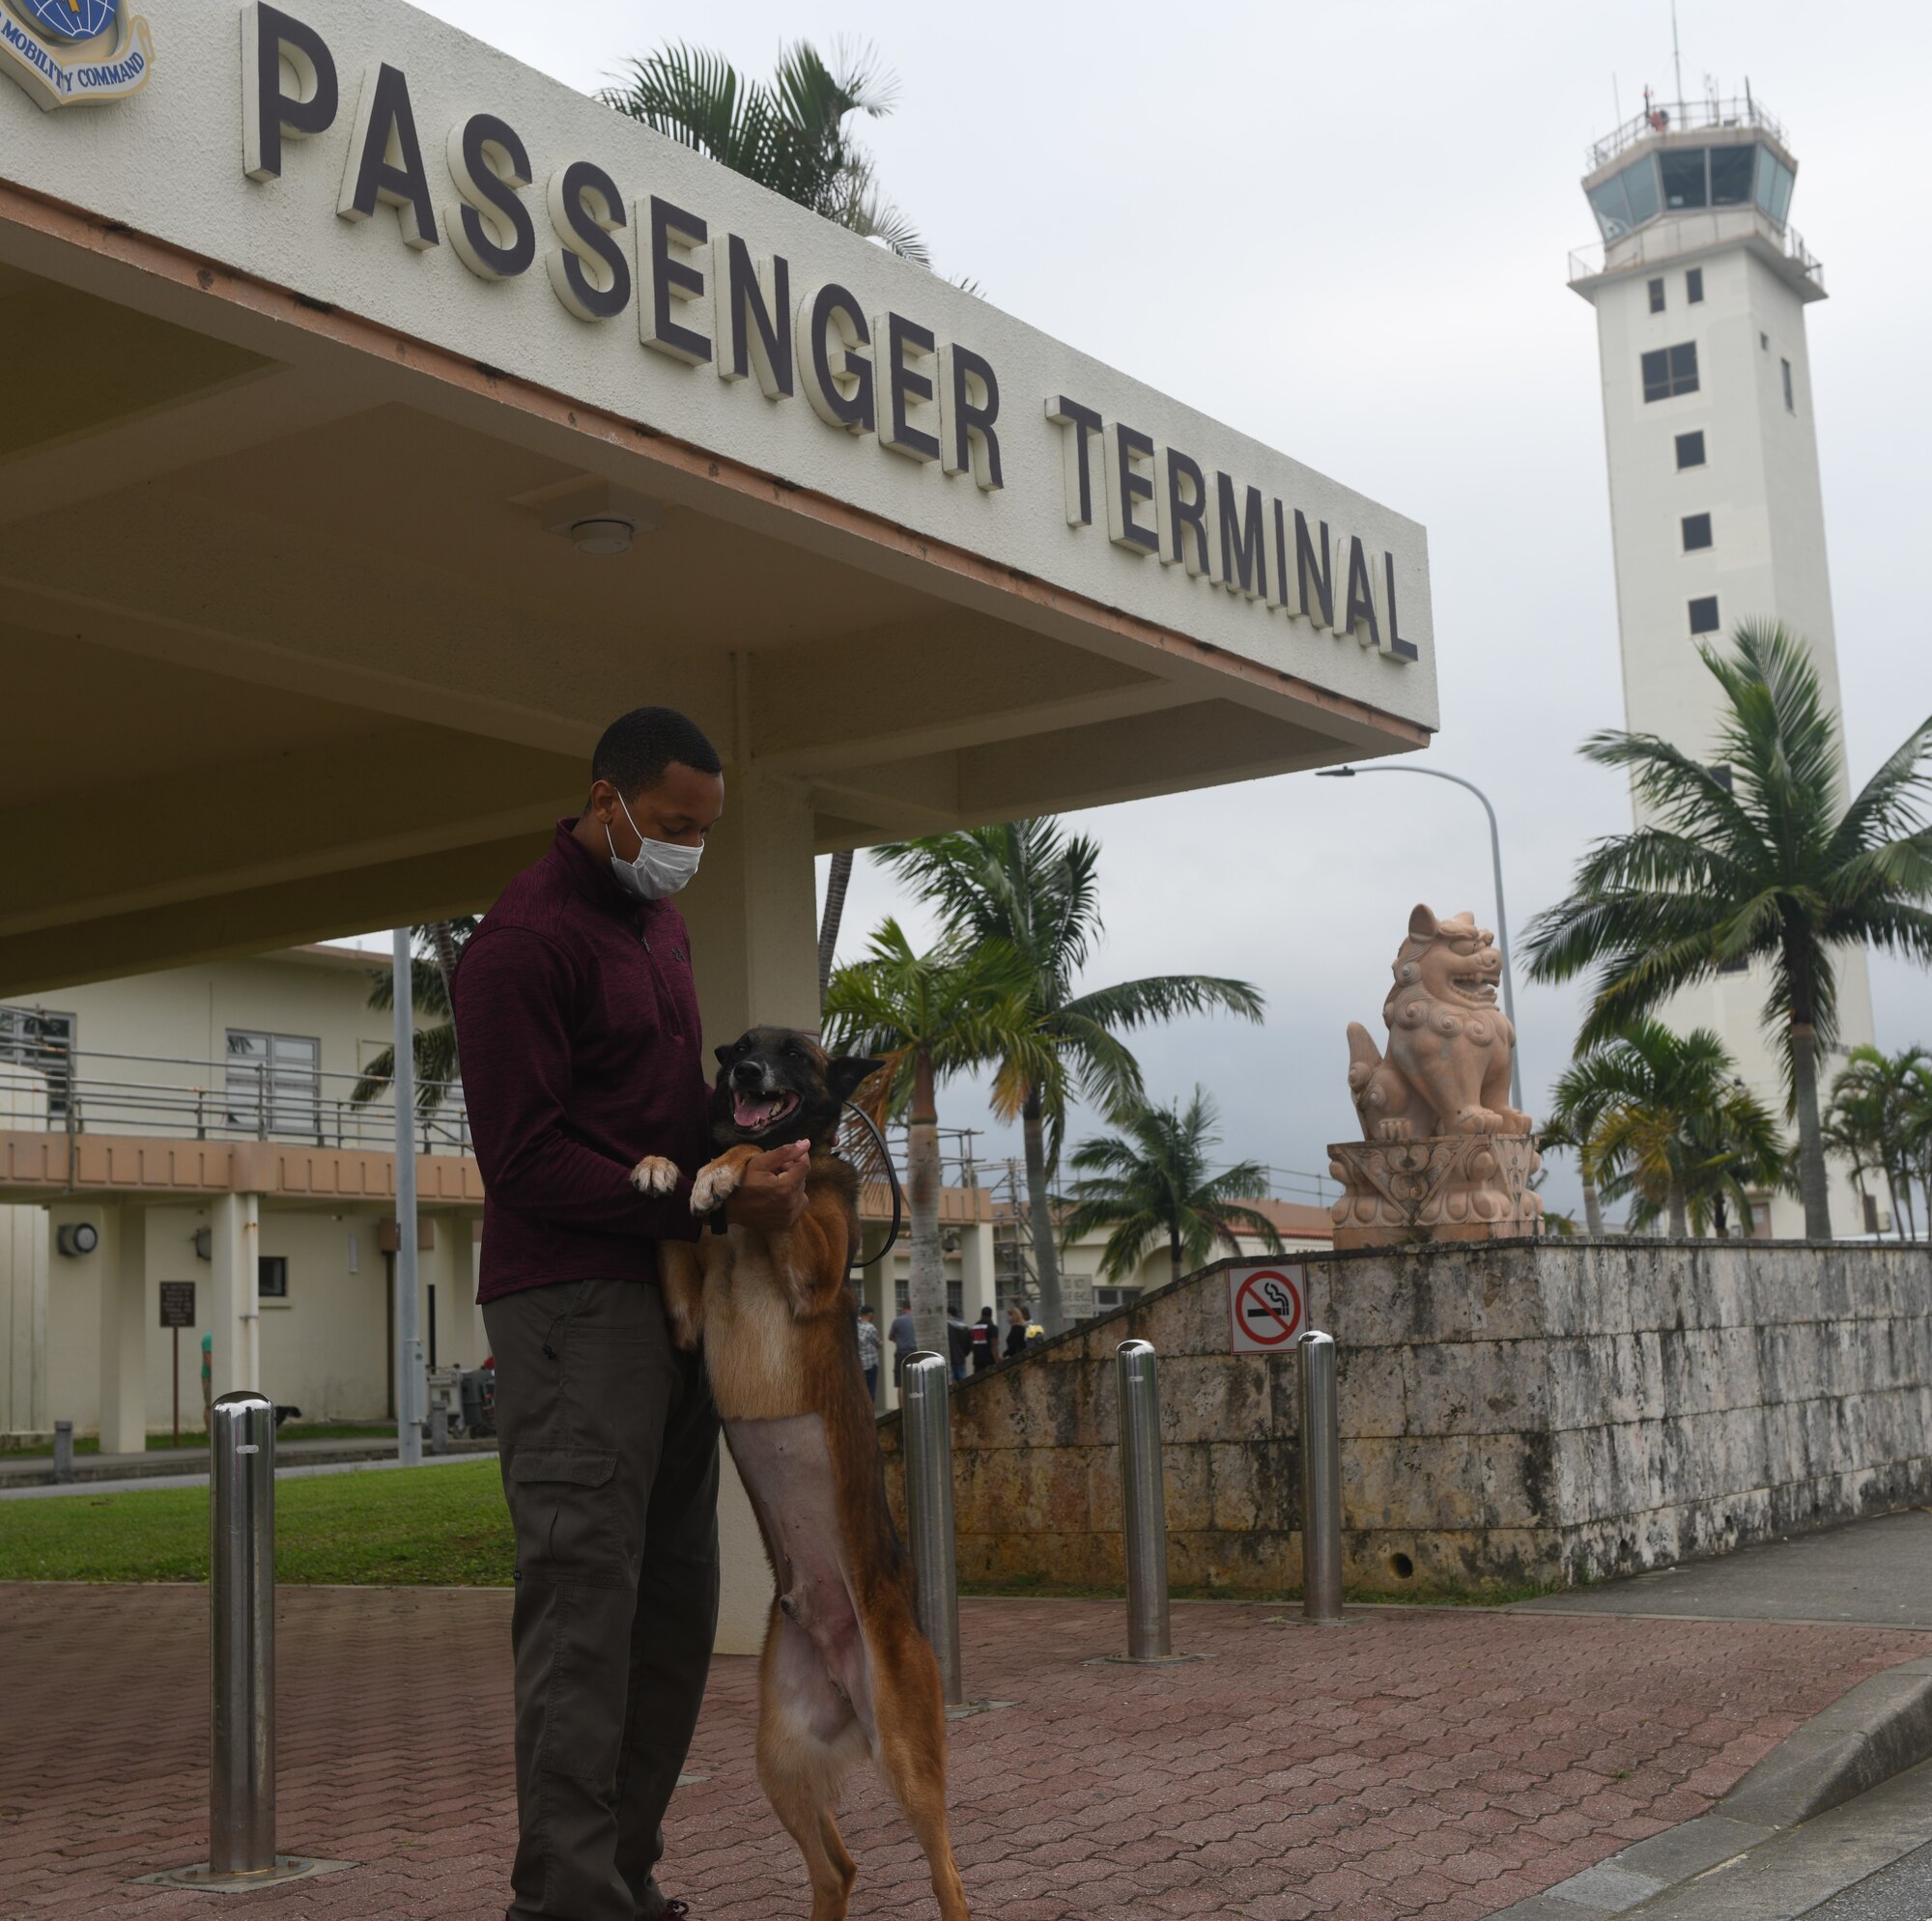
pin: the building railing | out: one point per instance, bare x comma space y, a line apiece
235, 1100
1663, 116
1592, 261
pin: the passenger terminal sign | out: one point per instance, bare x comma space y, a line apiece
394, 168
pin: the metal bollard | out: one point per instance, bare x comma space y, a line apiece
63, 1453
1321, 1480
242, 1593
1143, 1502
928, 1458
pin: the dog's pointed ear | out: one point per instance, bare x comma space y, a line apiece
848, 1073
1422, 925
724, 1053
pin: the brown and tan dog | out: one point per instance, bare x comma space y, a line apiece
847, 1672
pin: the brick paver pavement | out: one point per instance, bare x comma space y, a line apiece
1440, 1762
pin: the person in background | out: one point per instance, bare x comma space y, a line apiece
869, 1350
1017, 1333
958, 1343
985, 1342
905, 1341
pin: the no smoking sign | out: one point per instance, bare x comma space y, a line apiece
1268, 1306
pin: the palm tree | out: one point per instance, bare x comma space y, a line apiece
430, 975
789, 135
1750, 860
1032, 887
1665, 1122
926, 1016
1151, 1183
1873, 1120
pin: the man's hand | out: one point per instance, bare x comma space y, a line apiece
771, 1192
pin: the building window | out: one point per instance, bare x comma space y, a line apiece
1684, 182
1689, 450
1763, 343
1657, 297
1697, 532
274, 1083
1694, 285
1704, 614
33, 1037
1790, 400
272, 1277
1669, 370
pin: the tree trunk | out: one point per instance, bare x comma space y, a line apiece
1040, 1205
442, 942
836, 881
1811, 1176
1680, 1218
1593, 1210
926, 1286
1173, 1248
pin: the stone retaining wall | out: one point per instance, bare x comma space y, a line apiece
1512, 1412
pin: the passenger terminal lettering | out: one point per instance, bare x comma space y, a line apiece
705, 296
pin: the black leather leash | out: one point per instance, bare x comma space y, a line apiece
893, 1176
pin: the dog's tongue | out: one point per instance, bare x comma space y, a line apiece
750, 1113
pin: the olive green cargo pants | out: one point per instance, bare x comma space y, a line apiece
609, 1458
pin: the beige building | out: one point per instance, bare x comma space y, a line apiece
196, 1119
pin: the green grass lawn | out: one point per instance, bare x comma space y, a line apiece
427, 1526
296, 1431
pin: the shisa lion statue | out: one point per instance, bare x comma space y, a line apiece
1443, 1155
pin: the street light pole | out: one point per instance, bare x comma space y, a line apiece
1502, 913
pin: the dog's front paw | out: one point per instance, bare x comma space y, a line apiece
654, 1174
715, 1185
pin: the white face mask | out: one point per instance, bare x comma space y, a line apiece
662, 866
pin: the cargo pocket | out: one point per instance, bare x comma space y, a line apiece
568, 1526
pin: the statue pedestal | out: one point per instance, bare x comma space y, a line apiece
1448, 1187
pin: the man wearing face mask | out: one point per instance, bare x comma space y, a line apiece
578, 1026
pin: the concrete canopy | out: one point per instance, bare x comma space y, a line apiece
294, 649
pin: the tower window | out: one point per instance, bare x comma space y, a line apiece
1657, 297
272, 1272
1763, 343
1689, 450
1694, 285
1790, 402
1704, 614
1697, 532
1668, 371
1684, 183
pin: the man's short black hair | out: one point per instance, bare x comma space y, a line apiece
639, 746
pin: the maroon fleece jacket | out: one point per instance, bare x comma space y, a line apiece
577, 1024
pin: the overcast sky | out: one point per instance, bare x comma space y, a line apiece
1344, 230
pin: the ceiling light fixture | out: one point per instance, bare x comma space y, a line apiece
603, 533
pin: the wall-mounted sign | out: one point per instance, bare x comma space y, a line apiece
1268, 1306
71, 52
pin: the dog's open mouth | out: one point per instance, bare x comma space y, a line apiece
752, 1113
1474, 987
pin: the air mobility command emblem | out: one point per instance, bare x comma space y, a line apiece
71, 52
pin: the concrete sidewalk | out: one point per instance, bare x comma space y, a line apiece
1877, 1572
1446, 1762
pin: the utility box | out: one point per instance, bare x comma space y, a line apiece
389, 1234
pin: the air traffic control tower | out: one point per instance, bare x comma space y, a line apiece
1700, 286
